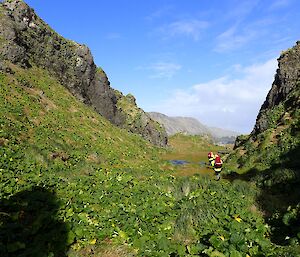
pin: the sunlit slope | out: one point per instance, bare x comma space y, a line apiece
26, 40
42, 122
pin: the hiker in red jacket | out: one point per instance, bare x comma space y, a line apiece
218, 166
211, 158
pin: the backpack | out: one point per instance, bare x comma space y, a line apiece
218, 162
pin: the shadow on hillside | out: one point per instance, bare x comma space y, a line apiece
28, 225
280, 191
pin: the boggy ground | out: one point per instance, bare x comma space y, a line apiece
193, 150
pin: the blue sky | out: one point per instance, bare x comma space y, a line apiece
209, 59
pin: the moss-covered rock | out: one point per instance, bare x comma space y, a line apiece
137, 121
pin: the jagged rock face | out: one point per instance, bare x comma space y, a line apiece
26, 40
275, 139
286, 79
31, 41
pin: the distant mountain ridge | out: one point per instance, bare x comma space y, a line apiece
175, 125
220, 132
192, 126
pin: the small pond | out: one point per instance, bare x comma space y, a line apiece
182, 162
178, 162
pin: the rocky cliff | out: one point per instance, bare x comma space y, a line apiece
27, 41
275, 139
286, 80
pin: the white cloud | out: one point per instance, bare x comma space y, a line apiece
188, 28
246, 29
162, 70
159, 13
241, 9
279, 4
232, 38
226, 102
241, 34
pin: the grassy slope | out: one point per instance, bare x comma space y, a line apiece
47, 120
66, 171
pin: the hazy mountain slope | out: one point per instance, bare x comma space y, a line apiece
219, 132
175, 125
28, 41
192, 126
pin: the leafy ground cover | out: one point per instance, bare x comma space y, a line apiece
74, 185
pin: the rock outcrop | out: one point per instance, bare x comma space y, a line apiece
137, 121
275, 139
269, 156
27, 41
286, 80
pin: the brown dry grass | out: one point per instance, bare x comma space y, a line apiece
106, 250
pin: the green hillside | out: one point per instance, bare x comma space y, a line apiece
271, 160
72, 184
43, 120
26, 40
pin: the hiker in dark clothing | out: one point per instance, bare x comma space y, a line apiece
217, 164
